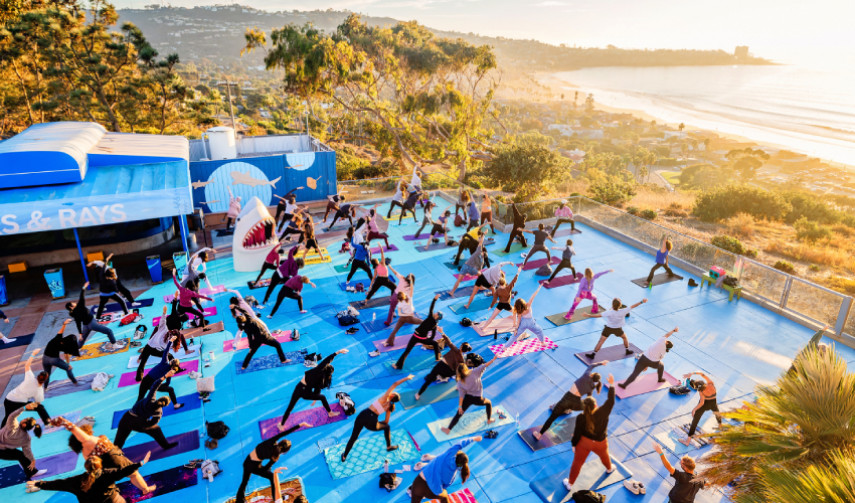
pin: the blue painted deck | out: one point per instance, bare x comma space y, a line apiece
739, 344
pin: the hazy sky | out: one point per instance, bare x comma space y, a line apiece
818, 31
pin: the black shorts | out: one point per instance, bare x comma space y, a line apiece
607, 331
482, 282
312, 243
504, 306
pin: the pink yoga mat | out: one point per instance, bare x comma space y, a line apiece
243, 342
537, 264
129, 378
316, 416
209, 311
503, 325
530, 345
646, 383
563, 280
400, 343
207, 292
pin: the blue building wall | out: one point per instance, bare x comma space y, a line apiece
262, 177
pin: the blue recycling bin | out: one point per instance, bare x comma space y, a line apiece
180, 261
155, 270
55, 282
4, 299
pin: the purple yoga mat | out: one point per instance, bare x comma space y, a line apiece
400, 343
209, 311
57, 464
129, 378
610, 353
563, 280
186, 442
410, 237
646, 383
316, 417
537, 264
386, 249
167, 481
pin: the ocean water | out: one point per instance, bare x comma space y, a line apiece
811, 111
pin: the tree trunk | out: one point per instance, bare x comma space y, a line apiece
24, 91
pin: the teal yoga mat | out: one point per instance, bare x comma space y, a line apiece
479, 303
436, 392
472, 422
369, 453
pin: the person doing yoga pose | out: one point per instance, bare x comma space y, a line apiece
566, 259
144, 417
518, 226
487, 211
446, 367
410, 203
473, 240
51, 355
196, 268
309, 388
438, 473
234, 209
381, 276
186, 296
424, 334
374, 231
311, 240
524, 321
565, 216
15, 435
591, 434
470, 391
540, 237
397, 198
333, 202
168, 327
32, 388
615, 320
589, 382
85, 321
271, 261
96, 485
586, 291
707, 401
663, 254
258, 335
286, 269
292, 289
109, 284
686, 484
652, 358
361, 256
269, 450
502, 295
165, 368
487, 280
370, 418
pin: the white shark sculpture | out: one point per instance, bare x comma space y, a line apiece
254, 237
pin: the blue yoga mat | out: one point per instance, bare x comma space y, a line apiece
369, 453
479, 303
191, 402
55, 465
23, 340
270, 361
114, 307
593, 476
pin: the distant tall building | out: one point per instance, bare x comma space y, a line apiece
741, 51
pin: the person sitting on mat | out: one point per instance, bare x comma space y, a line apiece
565, 216
309, 388
96, 485
15, 435
269, 450
663, 254
85, 321
615, 320
652, 358
686, 485
540, 237
524, 321
51, 354
586, 291
424, 334
438, 472
518, 226
590, 434
32, 388
445, 368
258, 335
567, 253
144, 417
707, 401
572, 400
502, 295
487, 279
470, 391
370, 417
166, 368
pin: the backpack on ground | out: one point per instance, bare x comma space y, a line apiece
130, 318
346, 403
389, 481
588, 496
217, 430
544, 270
459, 221
349, 316
679, 390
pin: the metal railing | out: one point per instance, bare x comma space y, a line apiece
798, 299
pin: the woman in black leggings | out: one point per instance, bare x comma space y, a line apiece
109, 284
427, 219
518, 226
361, 254
707, 395
566, 259
258, 335
309, 388
370, 418
292, 289
269, 451
381, 276
470, 391
445, 367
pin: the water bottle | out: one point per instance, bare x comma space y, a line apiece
386, 465
374, 316
211, 355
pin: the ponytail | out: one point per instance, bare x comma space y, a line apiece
589, 406
461, 460
462, 372
93, 472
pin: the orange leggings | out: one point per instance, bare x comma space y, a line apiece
583, 448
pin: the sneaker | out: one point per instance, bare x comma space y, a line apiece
629, 352
591, 355
40, 473
621, 385
567, 484
634, 486
374, 353
612, 469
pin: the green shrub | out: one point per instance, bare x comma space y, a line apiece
810, 207
813, 268
611, 190
751, 253
725, 202
648, 214
632, 210
810, 231
783, 265
729, 243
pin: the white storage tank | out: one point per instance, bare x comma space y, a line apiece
221, 141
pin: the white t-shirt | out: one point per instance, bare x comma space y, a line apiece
29, 389
616, 319
657, 350
158, 340
406, 308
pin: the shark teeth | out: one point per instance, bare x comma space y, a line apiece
256, 236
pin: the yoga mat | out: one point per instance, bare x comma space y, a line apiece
479, 303
374, 302
208, 312
270, 361
186, 442
65, 386
645, 383
659, 279
434, 246
376, 325
415, 362
129, 378
262, 283
463, 496
502, 325
386, 249
365, 282
114, 307
341, 268
670, 439
470, 423
191, 402
22, 340
243, 343
107, 318
515, 248
207, 292
55, 465
465, 277
563, 280
316, 416
134, 360
291, 489
400, 343
410, 237
211, 328
610, 353
560, 432
74, 417
436, 392
167, 481
559, 320
530, 345
369, 453
593, 476
465, 291
565, 231
537, 264
97, 349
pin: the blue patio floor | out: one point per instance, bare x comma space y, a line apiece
738, 343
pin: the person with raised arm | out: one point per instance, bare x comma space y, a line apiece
591, 434
144, 417
370, 418
234, 209
470, 391
424, 334
502, 298
85, 320
524, 321
56, 346
197, 267
96, 485
652, 358
707, 401
586, 291
686, 484
15, 442
615, 320
186, 296
439, 472
572, 400
314, 380
31, 389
